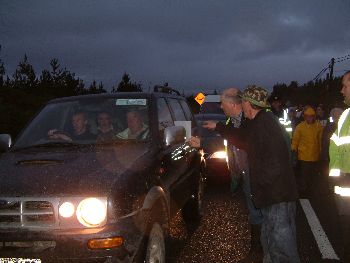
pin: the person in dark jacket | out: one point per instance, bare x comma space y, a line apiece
238, 165
272, 180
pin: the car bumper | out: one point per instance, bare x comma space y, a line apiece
72, 245
217, 167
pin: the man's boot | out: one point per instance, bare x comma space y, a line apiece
256, 253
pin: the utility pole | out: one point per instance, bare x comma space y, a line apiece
330, 91
331, 66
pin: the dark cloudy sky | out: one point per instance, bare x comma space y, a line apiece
194, 45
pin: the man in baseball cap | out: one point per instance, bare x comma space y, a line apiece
273, 184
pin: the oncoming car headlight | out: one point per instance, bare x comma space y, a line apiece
219, 155
92, 212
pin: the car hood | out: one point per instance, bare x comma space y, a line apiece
90, 171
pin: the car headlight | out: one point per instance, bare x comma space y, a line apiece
92, 212
66, 210
219, 155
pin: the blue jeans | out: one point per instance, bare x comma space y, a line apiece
278, 233
255, 215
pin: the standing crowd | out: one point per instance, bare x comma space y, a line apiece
280, 153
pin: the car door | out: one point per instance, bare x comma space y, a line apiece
183, 176
191, 153
170, 159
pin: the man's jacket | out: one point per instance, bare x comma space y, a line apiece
339, 147
306, 141
237, 158
271, 173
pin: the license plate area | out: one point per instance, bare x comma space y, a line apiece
20, 260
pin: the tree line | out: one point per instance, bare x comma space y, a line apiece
322, 91
25, 92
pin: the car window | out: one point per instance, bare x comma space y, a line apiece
164, 116
187, 110
87, 121
177, 110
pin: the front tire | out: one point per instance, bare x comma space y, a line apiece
155, 252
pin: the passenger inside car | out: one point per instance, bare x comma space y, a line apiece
137, 129
105, 129
80, 130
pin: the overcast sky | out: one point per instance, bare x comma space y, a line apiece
194, 45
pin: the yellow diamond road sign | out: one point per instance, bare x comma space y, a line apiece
200, 98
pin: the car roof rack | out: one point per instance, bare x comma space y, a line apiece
165, 89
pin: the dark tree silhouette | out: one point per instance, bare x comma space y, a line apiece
125, 85
24, 75
323, 91
23, 95
2, 73
94, 89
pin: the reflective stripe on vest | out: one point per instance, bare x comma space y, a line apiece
336, 138
285, 121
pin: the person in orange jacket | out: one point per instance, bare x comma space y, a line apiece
306, 143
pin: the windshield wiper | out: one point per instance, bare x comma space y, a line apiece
48, 145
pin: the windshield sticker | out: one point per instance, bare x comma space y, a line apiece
125, 102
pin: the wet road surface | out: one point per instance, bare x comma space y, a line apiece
223, 235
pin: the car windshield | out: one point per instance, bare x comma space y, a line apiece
88, 121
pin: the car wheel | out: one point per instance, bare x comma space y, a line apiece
192, 211
155, 252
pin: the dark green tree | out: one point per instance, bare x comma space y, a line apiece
24, 76
2, 73
60, 82
125, 85
95, 89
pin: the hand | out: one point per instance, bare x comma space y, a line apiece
55, 134
195, 142
211, 125
51, 133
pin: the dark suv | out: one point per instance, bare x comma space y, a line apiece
71, 192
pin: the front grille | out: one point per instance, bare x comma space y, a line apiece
28, 212
40, 205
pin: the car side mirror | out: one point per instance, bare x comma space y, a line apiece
174, 135
5, 142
